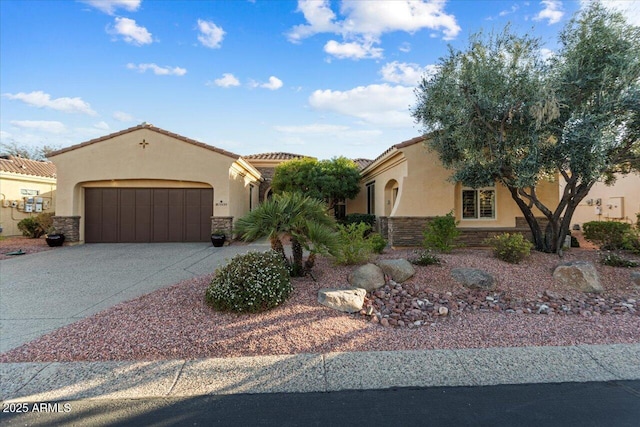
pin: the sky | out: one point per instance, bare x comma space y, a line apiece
318, 78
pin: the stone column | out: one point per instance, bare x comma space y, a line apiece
69, 226
224, 223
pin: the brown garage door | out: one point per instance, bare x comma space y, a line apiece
145, 215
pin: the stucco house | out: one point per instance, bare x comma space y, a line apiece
145, 184
266, 164
27, 188
407, 185
617, 202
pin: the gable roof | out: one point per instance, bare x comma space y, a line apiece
275, 156
152, 128
22, 166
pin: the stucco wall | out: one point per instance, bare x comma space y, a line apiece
10, 186
163, 162
627, 187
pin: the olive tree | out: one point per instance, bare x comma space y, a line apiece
498, 112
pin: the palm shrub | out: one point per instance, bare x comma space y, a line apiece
252, 282
511, 248
353, 245
441, 233
291, 214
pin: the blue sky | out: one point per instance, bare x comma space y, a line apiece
320, 78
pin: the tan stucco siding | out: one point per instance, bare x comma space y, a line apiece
620, 201
10, 189
164, 161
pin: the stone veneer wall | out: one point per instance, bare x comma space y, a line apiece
224, 223
69, 226
407, 231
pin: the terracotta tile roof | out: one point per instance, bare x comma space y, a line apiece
27, 167
275, 156
362, 163
153, 128
402, 144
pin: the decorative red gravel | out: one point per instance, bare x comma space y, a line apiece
175, 322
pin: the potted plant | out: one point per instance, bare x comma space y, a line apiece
54, 238
218, 238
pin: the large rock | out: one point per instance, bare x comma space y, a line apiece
398, 269
347, 300
368, 277
635, 277
473, 278
581, 275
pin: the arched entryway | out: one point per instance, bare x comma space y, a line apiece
390, 196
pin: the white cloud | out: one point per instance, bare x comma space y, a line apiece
210, 34
227, 80
365, 21
102, 126
43, 100
273, 84
131, 32
378, 104
405, 47
546, 53
552, 11
406, 73
109, 6
352, 50
122, 116
630, 9
158, 70
41, 125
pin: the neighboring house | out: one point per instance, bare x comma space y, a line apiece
407, 185
27, 188
145, 184
266, 164
617, 202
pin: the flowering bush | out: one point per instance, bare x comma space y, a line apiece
614, 260
253, 282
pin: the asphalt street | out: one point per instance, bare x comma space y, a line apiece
611, 404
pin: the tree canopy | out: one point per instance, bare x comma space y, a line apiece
328, 180
33, 153
498, 112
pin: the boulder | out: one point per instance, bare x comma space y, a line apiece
347, 300
635, 277
398, 269
368, 277
474, 278
581, 275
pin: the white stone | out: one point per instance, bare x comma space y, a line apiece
581, 275
346, 300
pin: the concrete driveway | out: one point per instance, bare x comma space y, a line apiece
44, 291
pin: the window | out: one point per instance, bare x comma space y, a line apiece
479, 204
250, 197
371, 198
26, 192
340, 209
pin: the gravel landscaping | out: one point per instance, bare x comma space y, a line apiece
27, 245
175, 322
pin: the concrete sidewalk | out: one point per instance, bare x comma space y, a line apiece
45, 382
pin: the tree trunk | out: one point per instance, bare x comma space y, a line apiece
310, 262
276, 245
532, 221
296, 248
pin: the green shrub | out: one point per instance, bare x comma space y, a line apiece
511, 248
353, 247
378, 243
609, 235
441, 233
45, 221
615, 260
356, 218
30, 228
252, 282
424, 257
631, 242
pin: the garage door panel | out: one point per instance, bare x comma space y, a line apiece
147, 215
